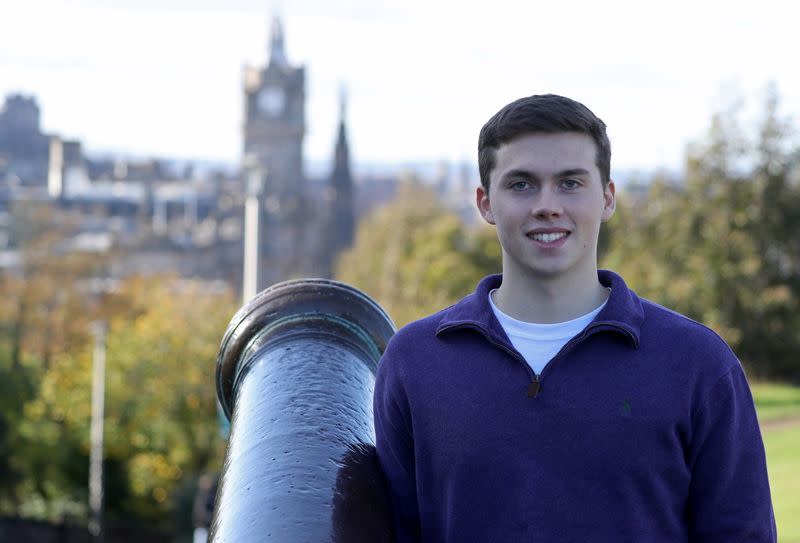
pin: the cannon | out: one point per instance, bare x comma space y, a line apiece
295, 376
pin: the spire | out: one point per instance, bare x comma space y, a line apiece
277, 53
342, 104
342, 219
341, 164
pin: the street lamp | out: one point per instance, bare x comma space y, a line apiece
255, 184
99, 331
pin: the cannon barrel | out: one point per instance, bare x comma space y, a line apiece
295, 376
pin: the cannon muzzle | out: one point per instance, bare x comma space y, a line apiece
295, 376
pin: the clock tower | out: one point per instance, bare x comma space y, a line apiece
274, 127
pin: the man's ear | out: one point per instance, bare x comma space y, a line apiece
484, 205
609, 201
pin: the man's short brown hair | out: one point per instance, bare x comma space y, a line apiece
544, 113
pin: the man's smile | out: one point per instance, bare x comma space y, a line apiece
548, 236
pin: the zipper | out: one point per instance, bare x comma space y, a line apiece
536, 382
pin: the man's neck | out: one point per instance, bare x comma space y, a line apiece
546, 300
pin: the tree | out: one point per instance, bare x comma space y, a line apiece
721, 247
415, 257
160, 425
161, 428
41, 317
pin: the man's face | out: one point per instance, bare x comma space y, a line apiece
547, 201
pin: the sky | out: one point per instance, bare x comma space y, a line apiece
164, 77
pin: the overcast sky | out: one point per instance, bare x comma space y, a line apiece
164, 77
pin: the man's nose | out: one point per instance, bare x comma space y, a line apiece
547, 205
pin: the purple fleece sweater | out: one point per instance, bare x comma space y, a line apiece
641, 429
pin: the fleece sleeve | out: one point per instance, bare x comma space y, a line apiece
729, 496
395, 446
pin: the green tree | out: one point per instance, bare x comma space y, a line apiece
161, 428
773, 334
41, 317
160, 425
415, 257
721, 247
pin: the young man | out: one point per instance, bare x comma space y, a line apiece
553, 404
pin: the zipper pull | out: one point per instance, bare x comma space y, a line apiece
533, 388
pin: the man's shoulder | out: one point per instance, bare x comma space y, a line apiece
418, 333
419, 341
665, 328
665, 318
413, 346
473, 307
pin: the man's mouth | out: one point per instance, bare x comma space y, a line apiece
548, 237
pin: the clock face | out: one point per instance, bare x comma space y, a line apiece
271, 100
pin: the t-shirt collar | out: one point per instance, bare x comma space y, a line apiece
622, 313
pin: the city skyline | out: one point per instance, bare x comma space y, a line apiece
165, 78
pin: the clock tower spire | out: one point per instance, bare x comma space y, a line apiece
274, 128
277, 53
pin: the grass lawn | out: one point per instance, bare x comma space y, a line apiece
783, 463
775, 402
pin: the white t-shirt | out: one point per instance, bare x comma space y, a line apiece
539, 343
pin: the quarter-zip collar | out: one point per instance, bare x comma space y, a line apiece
622, 314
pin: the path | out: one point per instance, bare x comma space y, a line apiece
781, 423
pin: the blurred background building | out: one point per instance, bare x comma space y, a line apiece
160, 215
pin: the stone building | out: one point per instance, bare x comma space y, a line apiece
23, 146
157, 220
294, 226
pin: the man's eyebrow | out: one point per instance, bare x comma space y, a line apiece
526, 174
516, 174
572, 171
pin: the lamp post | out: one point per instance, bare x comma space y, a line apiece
255, 183
99, 331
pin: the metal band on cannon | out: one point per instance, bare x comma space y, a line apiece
295, 375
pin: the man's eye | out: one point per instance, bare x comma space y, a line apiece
570, 184
520, 185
